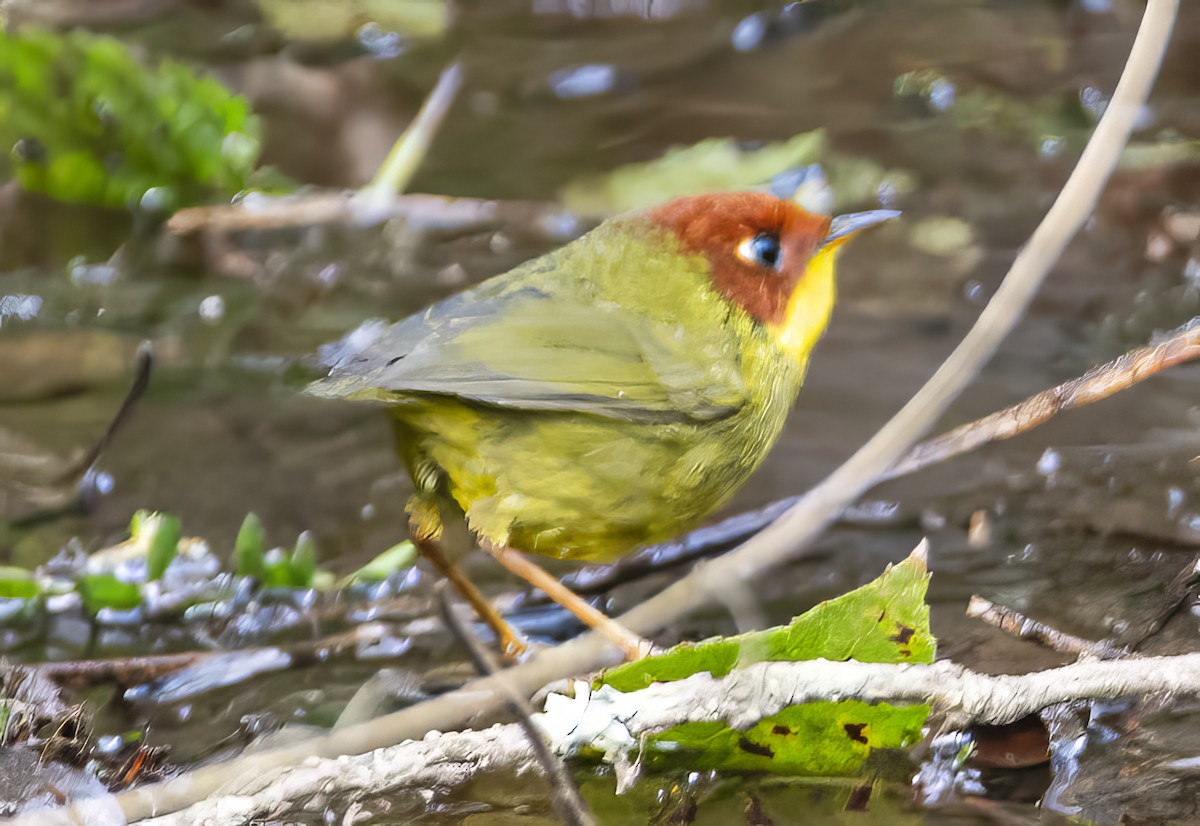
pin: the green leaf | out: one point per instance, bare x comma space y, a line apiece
7, 707
329, 20
159, 535
885, 621
817, 739
396, 558
277, 569
248, 548
303, 567
91, 124
106, 591
18, 583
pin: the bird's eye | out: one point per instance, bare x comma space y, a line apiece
762, 250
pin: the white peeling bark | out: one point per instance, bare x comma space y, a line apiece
614, 722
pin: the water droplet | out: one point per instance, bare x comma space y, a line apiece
499, 242
1052, 146
103, 482
109, 743
973, 292
379, 42
1093, 100
1050, 462
561, 225
212, 309
1175, 499
82, 273
886, 193
20, 307
329, 275
1191, 271
941, 94
584, 81
157, 199
748, 34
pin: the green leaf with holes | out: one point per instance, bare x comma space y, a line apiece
884, 621
822, 739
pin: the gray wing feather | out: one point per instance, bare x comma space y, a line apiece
516, 350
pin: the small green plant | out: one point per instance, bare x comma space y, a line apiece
88, 123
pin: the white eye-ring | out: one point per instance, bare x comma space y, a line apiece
762, 250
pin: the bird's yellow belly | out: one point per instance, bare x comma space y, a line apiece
574, 485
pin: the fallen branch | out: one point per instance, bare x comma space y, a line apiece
740, 700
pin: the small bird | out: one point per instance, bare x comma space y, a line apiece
610, 394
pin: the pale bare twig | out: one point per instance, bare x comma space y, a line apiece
262, 213
402, 162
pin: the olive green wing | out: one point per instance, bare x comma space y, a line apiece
526, 350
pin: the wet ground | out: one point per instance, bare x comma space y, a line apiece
1089, 516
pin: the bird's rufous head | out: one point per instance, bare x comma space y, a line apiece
768, 256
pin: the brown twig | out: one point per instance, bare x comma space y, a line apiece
568, 802
81, 675
141, 380
1022, 627
125, 671
1098, 383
